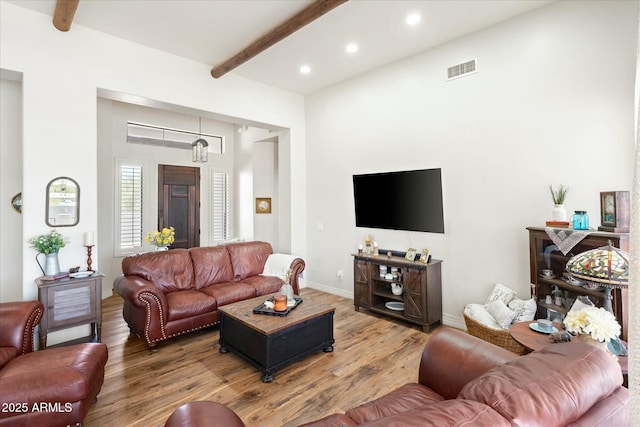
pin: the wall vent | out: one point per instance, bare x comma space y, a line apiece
462, 70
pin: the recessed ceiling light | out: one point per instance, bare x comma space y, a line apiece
413, 19
305, 69
351, 48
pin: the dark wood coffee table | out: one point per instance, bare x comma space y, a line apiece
270, 342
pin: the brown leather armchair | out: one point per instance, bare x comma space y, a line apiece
51, 387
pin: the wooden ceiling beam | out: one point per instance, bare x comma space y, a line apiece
63, 15
290, 26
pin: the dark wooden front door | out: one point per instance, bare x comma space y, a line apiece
179, 203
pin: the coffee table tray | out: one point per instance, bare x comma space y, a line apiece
262, 309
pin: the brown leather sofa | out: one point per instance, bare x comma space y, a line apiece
175, 292
465, 381
52, 387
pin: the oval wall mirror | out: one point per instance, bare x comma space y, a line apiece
63, 202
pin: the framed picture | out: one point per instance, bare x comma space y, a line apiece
608, 208
615, 213
424, 256
411, 254
263, 205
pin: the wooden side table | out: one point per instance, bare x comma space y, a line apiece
70, 302
533, 340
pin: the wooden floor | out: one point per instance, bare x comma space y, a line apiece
372, 356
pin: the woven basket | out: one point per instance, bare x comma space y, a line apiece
499, 337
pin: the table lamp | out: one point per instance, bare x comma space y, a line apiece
606, 266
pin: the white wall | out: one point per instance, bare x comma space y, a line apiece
10, 185
62, 75
552, 103
265, 172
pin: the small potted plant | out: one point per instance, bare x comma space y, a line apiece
559, 196
49, 245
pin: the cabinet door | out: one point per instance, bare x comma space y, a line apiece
414, 281
361, 275
71, 304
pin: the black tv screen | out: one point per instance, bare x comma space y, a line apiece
406, 200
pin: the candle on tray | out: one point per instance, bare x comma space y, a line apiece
280, 303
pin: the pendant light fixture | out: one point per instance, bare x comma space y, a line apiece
200, 147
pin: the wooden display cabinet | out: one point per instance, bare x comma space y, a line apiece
421, 284
545, 255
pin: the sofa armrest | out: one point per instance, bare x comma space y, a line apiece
297, 267
145, 307
131, 288
141, 293
451, 358
17, 323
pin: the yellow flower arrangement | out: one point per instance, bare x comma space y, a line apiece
162, 238
597, 322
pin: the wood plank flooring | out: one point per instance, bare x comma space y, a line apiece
372, 356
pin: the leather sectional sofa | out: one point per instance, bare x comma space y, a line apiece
465, 381
175, 292
51, 387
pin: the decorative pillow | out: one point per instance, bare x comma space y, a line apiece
502, 293
503, 315
525, 309
479, 313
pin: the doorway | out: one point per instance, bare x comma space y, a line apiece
179, 203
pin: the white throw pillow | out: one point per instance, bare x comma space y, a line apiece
500, 293
503, 314
479, 313
277, 264
525, 309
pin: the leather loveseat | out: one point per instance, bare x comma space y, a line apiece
175, 292
51, 387
465, 381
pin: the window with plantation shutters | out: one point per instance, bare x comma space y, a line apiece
221, 189
129, 229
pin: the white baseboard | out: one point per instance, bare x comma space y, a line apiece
329, 289
454, 321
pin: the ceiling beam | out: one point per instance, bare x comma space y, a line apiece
290, 26
63, 15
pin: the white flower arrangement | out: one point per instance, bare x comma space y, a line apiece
597, 322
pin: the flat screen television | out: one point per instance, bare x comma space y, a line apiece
404, 200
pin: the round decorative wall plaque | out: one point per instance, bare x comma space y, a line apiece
16, 202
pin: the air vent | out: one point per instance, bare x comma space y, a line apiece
461, 70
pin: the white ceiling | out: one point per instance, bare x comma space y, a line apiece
211, 31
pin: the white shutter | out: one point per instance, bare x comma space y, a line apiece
220, 214
130, 215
